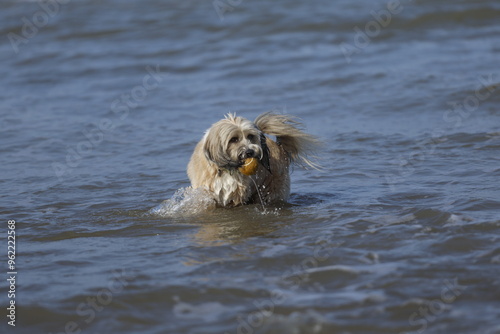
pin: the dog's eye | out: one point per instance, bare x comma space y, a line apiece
233, 140
250, 137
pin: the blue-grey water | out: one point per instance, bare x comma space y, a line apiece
102, 103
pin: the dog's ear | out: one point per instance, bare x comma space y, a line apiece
208, 148
265, 153
214, 151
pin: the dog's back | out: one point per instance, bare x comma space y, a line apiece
298, 144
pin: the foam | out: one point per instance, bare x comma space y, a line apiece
185, 201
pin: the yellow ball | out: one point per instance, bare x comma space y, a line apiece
250, 166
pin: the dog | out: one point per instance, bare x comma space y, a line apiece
215, 162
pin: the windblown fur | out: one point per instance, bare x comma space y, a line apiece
224, 147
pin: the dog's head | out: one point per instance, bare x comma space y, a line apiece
233, 139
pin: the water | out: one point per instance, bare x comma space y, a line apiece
102, 105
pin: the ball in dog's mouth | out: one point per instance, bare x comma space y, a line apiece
249, 166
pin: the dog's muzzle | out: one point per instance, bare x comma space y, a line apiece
248, 153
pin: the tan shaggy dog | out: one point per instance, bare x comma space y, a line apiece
217, 158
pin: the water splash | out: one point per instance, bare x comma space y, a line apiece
258, 193
185, 201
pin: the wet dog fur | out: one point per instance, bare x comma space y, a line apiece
227, 143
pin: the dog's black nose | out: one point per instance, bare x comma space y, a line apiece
249, 153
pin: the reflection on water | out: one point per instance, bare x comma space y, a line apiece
222, 225
240, 224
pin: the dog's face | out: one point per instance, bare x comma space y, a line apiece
231, 140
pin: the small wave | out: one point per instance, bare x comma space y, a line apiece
465, 16
208, 311
308, 321
185, 201
192, 202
